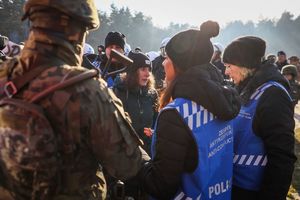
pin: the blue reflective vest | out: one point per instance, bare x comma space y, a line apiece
214, 138
250, 157
110, 82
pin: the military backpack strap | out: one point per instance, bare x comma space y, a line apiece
13, 86
71, 81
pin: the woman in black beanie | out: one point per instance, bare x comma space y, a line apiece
192, 146
264, 130
136, 90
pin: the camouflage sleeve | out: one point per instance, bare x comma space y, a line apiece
4, 194
113, 140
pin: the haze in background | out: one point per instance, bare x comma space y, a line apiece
194, 12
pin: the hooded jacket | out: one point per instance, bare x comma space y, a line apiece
176, 151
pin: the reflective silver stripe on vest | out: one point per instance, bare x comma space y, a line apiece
254, 160
182, 196
197, 117
179, 196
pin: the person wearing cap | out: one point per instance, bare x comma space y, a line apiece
192, 146
140, 99
91, 131
97, 58
88, 52
294, 60
264, 129
101, 49
216, 58
158, 69
281, 60
291, 74
271, 58
92, 60
113, 40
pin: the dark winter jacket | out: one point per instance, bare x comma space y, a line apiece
142, 106
220, 65
295, 91
113, 67
280, 65
176, 151
158, 71
273, 122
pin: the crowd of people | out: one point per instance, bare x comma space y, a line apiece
195, 120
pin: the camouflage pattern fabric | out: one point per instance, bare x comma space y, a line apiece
91, 129
83, 10
90, 121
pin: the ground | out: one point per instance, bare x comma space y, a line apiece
295, 189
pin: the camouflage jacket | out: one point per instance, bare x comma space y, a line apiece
97, 130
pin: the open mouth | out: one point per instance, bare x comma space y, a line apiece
144, 81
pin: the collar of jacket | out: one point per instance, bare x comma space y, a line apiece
203, 84
265, 73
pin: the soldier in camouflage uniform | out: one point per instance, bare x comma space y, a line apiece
291, 74
87, 117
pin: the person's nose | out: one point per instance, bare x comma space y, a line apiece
227, 71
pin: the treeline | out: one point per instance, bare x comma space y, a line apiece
138, 29
280, 34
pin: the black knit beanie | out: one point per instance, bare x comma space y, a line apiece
192, 47
115, 38
139, 60
247, 51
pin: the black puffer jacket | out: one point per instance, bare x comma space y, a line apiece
176, 151
158, 71
273, 122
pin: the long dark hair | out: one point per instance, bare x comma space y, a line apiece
166, 96
131, 80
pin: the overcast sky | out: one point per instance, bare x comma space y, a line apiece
195, 12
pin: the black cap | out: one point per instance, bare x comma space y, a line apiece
281, 53
115, 38
246, 51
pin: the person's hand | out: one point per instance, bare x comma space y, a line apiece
148, 132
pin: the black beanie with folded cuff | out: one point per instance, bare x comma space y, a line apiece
115, 38
246, 51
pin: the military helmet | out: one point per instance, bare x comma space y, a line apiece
83, 10
289, 69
